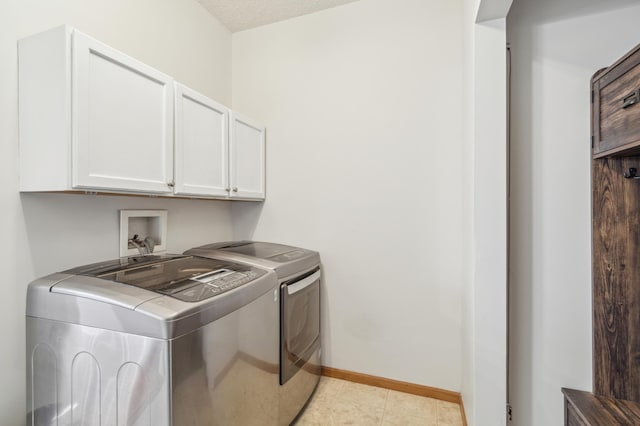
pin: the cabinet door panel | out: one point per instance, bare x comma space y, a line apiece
122, 121
201, 151
247, 158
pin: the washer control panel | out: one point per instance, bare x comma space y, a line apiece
213, 284
289, 256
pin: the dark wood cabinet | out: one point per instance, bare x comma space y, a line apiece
585, 409
615, 198
615, 216
615, 99
571, 414
616, 278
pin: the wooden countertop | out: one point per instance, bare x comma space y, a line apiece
601, 411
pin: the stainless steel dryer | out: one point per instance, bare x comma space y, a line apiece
298, 273
153, 340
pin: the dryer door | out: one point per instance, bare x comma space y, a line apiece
300, 323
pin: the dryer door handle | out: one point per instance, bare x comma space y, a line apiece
302, 284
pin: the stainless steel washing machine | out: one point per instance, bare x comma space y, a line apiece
153, 340
298, 273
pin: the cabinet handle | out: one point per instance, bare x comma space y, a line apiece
227, 189
631, 99
170, 184
235, 189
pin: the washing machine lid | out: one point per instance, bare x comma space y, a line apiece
155, 296
187, 278
286, 261
270, 251
95, 269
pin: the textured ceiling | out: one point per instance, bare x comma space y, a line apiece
238, 15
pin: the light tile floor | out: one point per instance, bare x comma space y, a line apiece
339, 402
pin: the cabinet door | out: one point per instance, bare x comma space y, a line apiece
615, 108
201, 145
122, 121
247, 159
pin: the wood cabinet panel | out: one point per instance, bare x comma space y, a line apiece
620, 111
571, 416
587, 409
616, 274
616, 108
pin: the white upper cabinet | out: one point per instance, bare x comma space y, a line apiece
94, 119
247, 159
122, 121
201, 145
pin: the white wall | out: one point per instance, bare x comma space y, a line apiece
557, 46
484, 312
42, 233
467, 386
362, 104
490, 224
